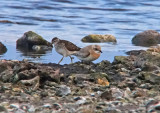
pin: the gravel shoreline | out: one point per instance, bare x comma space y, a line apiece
128, 85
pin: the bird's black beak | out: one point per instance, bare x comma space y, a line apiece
101, 51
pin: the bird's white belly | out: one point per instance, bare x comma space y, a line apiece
62, 51
89, 58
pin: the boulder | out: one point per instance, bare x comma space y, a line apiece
3, 48
146, 38
95, 38
29, 39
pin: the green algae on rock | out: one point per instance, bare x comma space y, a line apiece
95, 38
29, 39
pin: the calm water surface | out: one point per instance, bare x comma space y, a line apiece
72, 20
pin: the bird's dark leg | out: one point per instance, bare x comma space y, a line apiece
60, 60
71, 59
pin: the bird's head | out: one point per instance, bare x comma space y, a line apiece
55, 40
97, 48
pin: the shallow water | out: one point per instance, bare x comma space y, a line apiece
72, 20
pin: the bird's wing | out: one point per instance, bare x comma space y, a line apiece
83, 53
70, 46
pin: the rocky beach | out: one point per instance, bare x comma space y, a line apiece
130, 84
124, 78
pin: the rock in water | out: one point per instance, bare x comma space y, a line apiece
3, 48
29, 39
146, 38
99, 38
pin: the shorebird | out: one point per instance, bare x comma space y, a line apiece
64, 47
89, 53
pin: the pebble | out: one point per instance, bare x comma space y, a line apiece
81, 100
31, 109
48, 105
15, 105
63, 90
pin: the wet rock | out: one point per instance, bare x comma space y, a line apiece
7, 21
135, 52
146, 38
63, 90
29, 39
99, 38
3, 48
120, 59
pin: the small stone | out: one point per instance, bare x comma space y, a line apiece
107, 95
31, 109
19, 111
136, 70
81, 101
15, 105
48, 105
138, 93
16, 89
25, 107
57, 106
127, 93
44, 94
92, 94
63, 90
124, 70
117, 93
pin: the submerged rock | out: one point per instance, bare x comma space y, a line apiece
146, 38
3, 48
94, 38
29, 39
